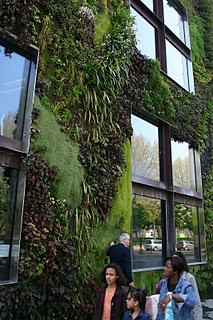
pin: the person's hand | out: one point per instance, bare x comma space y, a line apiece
131, 284
164, 303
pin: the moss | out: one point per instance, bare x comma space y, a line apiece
120, 215
198, 53
60, 152
102, 26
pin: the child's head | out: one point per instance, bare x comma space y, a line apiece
113, 272
136, 297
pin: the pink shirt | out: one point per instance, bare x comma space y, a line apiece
106, 315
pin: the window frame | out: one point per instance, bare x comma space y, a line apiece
14, 153
166, 191
163, 33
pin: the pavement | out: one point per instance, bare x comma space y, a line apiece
207, 303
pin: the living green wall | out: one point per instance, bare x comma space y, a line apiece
61, 152
78, 193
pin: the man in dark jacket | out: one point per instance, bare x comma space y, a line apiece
120, 254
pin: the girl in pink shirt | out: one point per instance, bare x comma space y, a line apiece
111, 299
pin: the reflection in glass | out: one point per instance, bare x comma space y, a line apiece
202, 234
173, 20
145, 35
187, 233
147, 232
5, 224
11, 204
183, 165
13, 85
145, 150
176, 65
148, 3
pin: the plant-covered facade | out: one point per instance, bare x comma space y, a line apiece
107, 123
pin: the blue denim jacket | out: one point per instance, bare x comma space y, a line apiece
141, 316
181, 310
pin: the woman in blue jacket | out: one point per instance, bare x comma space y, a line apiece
177, 296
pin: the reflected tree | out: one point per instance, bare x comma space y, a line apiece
146, 215
9, 124
183, 220
181, 172
145, 157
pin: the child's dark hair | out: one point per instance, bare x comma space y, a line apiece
140, 296
121, 280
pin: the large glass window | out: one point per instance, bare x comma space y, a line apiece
147, 232
162, 33
13, 89
144, 30
145, 149
188, 220
176, 65
167, 205
17, 82
174, 20
181, 165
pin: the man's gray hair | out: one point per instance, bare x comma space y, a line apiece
124, 236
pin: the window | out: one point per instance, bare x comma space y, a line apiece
143, 27
161, 30
145, 149
147, 232
17, 81
167, 204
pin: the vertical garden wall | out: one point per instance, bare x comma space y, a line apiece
78, 192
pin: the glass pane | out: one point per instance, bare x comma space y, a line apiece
202, 235
147, 232
13, 89
148, 3
145, 35
176, 66
187, 235
183, 165
5, 223
173, 20
10, 222
145, 149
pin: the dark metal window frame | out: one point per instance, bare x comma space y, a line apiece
164, 189
13, 152
163, 33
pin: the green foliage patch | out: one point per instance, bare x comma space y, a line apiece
60, 152
120, 215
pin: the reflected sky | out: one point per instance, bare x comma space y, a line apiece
176, 65
148, 3
144, 31
140, 126
11, 82
173, 20
179, 150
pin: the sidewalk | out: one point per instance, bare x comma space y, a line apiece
207, 302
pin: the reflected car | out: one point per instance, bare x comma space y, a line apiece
185, 245
153, 244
